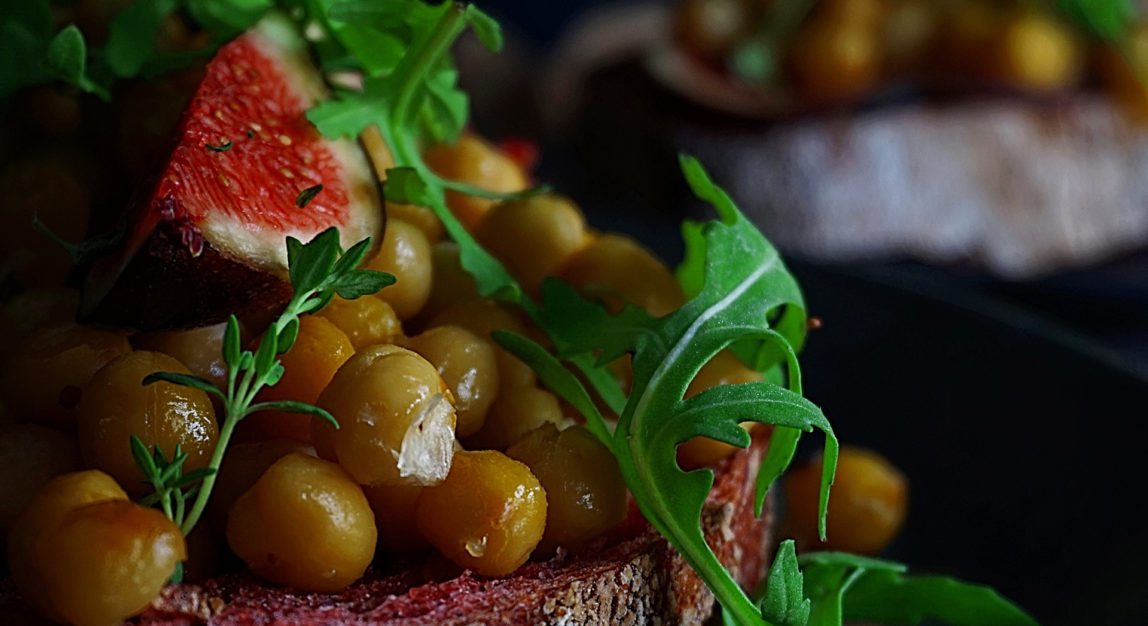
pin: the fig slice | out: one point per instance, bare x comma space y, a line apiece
207, 235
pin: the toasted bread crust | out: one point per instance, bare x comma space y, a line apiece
633, 577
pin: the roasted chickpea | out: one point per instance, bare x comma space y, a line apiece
30, 456
43, 379
107, 561
723, 369
304, 523
1124, 71
488, 515
533, 236
420, 217
517, 411
43, 514
867, 504
366, 321
1039, 52
474, 162
618, 270
319, 350
711, 28
243, 464
32, 309
405, 253
450, 284
199, 349
483, 317
468, 365
394, 508
907, 35
834, 60
585, 492
396, 422
116, 405
382, 159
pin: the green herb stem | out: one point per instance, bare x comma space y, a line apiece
414, 68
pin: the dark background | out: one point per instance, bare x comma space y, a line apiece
1017, 408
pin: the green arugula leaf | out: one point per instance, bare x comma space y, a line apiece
1106, 19
226, 18
405, 185
132, 35
784, 602
488, 30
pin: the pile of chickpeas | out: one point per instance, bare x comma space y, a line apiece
445, 440
844, 50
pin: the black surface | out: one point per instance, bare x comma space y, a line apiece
1023, 441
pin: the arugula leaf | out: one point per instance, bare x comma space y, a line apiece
784, 602
132, 35
225, 18
1106, 19
488, 30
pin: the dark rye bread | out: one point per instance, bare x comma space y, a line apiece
632, 577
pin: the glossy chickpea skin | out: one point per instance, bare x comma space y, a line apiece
1124, 71
517, 411
533, 236
366, 321
199, 349
488, 515
42, 515
483, 317
107, 561
30, 456
396, 421
867, 504
304, 523
832, 60
420, 217
116, 405
1037, 51
450, 284
475, 162
711, 28
42, 381
405, 253
723, 369
618, 270
585, 492
468, 365
319, 351
243, 464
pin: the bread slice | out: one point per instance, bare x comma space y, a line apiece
631, 577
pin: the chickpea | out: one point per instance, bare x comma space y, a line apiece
450, 283
116, 405
30, 456
1039, 52
405, 253
474, 162
469, 367
366, 321
43, 379
42, 515
394, 508
723, 369
711, 28
867, 504
834, 60
966, 38
483, 317
585, 492
199, 349
33, 309
396, 422
517, 411
908, 33
304, 523
645, 281
420, 217
107, 561
533, 236
319, 350
488, 515
382, 159
243, 464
